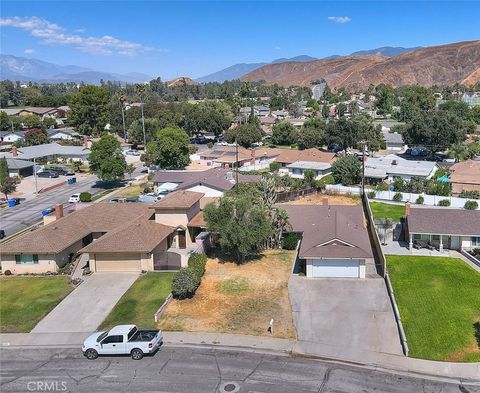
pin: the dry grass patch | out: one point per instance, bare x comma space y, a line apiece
238, 299
316, 199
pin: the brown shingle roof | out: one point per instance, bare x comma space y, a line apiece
178, 200
444, 221
467, 172
198, 221
142, 235
58, 235
314, 155
39, 110
330, 231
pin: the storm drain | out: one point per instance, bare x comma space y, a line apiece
229, 387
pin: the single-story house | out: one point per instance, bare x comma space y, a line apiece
445, 228
21, 168
42, 112
465, 176
212, 183
113, 237
334, 240
280, 114
287, 156
391, 167
8, 137
11, 111
65, 133
394, 141
296, 122
297, 169
47, 151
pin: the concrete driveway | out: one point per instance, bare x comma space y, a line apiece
350, 314
88, 305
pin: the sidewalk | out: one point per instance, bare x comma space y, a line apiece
458, 371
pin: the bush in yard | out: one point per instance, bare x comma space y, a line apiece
398, 197
290, 241
444, 202
371, 194
274, 167
85, 197
8, 272
184, 284
197, 262
420, 200
471, 205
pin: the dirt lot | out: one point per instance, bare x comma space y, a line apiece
238, 299
316, 199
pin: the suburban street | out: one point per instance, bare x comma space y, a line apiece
199, 370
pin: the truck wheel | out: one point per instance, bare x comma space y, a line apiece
137, 354
91, 354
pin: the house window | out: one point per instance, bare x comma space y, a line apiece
475, 241
26, 259
418, 236
435, 238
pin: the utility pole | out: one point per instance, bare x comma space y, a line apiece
236, 165
35, 175
364, 157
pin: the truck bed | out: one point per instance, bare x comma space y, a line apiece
144, 335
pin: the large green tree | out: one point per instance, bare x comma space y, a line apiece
347, 170
209, 116
245, 135
106, 158
169, 150
135, 131
88, 110
283, 133
312, 134
4, 121
243, 225
7, 183
385, 95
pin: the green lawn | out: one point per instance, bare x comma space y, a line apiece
439, 302
387, 210
24, 301
141, 301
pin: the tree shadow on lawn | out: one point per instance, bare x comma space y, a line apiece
226, 257
476, 329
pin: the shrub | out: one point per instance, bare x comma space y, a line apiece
473, 194
398, 197
209, 145
197, 262
444, 202
290, 241
382, 187
321, 184
471, 205
420, 200
371, 194
476, 252
184, 284
147, 189
274, 167
8, 272
85, 197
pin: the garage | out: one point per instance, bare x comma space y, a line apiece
334, 268
118, 263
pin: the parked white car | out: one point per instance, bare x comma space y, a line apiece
122, 340
74, 198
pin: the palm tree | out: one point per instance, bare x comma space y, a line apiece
122, 97
140, 90
280, 225
385, 224
457, 151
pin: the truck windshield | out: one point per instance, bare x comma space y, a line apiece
102, 336
131, 333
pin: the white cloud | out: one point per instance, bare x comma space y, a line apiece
53, 34
29, 51
340, 19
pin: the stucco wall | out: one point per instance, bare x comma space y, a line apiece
46, 263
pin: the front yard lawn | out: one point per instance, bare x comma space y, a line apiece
439, 302
24, 301
239, 299
139, 304
387, 210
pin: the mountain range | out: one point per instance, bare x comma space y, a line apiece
238, 70
444, 64
26, 70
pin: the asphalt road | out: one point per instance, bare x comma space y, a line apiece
199, 370
29, 212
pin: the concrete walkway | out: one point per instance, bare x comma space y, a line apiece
88, 305
394, 363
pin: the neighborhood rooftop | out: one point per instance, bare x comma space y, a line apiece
178, 200
47, 150
392, 164
444, 221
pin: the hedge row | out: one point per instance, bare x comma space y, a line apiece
186, 281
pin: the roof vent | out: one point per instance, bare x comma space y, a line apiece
394, 162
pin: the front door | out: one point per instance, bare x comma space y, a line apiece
182, 239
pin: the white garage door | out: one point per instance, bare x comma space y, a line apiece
336, 268
118, 263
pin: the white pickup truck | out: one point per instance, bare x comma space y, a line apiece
122, 340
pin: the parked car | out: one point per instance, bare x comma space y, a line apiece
419, 151
148, 198
74, 198
132, 152
122, 340
62, 170
48, 174
2, 234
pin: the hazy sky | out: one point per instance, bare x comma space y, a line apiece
168, 39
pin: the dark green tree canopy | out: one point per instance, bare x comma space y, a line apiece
283, 133
169, 149
244, 134
106, 158
347, 170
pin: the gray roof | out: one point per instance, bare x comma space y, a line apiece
214, 178
316, 166
12, 111
49, 149
65, 130
381, 167
444, 221
330, 231
3, 134
393, 138
14, 163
